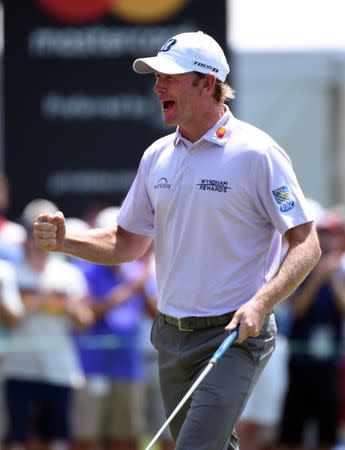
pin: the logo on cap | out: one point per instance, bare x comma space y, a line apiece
167, 46
206, 66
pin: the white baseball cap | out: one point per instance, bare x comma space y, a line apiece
187, 52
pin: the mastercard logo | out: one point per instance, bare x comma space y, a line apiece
220, 132
137, 11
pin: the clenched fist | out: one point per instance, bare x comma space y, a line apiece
50, 231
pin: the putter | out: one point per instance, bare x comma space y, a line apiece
212, 362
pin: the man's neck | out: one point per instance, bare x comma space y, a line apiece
204, 122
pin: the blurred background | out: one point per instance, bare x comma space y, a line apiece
75, 118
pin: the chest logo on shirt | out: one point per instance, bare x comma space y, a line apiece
214, 185
162, 183
284, 198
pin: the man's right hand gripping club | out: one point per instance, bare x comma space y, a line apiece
50, 231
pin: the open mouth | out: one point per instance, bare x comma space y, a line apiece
168, 104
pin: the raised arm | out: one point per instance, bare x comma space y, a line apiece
101, 245
302, 255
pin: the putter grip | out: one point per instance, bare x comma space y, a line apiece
228, 341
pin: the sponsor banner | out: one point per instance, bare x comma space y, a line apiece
77, 117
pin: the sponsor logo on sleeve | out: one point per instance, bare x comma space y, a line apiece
284, 198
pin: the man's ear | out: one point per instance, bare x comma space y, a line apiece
209, 82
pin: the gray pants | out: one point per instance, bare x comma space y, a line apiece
207, 420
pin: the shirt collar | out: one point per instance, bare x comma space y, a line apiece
218, 134
221, 131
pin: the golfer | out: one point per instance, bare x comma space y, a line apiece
219, 197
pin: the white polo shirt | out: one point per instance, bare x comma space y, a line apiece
217, 209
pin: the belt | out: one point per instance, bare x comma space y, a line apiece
198, 323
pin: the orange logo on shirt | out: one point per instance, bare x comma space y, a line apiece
220, 132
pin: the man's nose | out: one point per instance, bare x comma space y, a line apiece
159, 86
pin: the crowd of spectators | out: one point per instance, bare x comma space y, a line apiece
77, 368
299, 403
78, 371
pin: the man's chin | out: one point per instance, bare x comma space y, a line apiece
169, 120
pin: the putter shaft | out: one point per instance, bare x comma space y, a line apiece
213, 361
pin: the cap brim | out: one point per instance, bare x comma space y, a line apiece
158, 64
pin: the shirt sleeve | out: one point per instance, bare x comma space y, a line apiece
279, 196
137, 213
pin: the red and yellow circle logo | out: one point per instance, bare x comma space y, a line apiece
137, 11
220, 132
